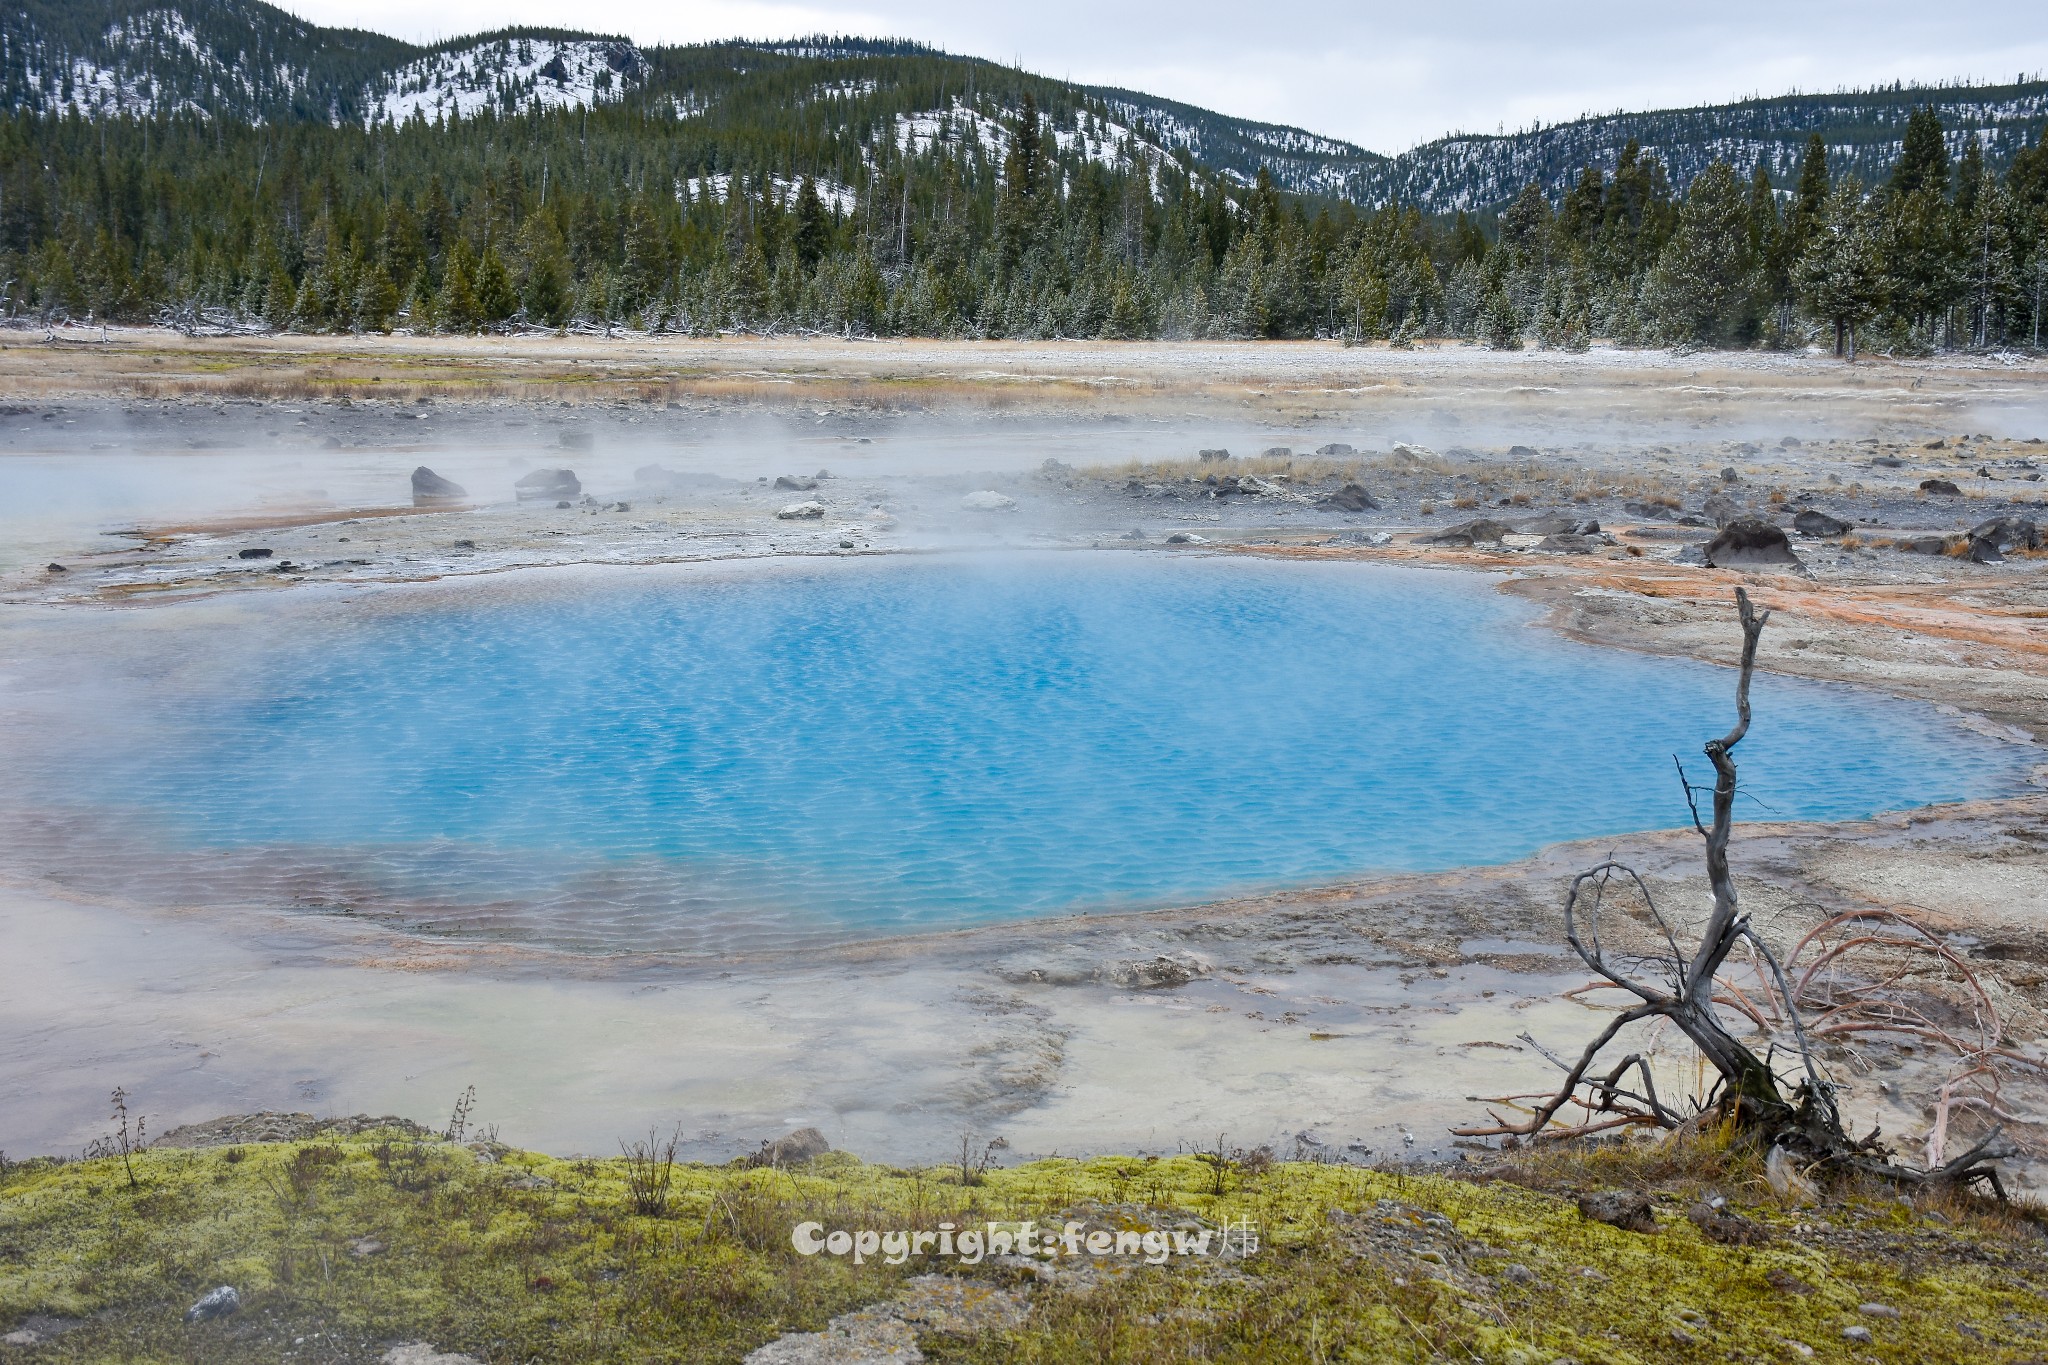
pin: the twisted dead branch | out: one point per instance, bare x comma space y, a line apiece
1811, 995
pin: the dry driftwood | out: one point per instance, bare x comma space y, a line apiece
1692, 989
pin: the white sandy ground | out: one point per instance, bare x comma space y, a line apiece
1353, 1016
890, 1059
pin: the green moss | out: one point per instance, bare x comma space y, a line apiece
532, 1257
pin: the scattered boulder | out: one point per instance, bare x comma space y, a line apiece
1523, 453
1212, 456
549, 484
1922, 545
1335, 450
1750, 543
215, 1303
1721, 509
2007, 534
1186, 538
1480, 532
1648, 511
1936, 444
1983, 552
1940, 488
1557, 525
1719, 1223
254, 552
801, 1145
1350, 498
796, 483
574, 440
988, 500
1133, 534
1728, 474
429, 487
1820, 525
1278, 452
1619, 1208
1055, 469
802, 511
1568, 543
54, 567
1887, 462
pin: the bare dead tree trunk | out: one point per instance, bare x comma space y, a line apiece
1798, 1112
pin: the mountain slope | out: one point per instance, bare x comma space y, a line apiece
248, 61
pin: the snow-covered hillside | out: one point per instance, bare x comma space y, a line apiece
507, 74
124, 79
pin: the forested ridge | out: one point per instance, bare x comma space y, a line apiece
884, 189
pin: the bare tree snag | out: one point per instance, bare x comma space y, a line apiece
1796, 1111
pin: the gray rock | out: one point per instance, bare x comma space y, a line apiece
855, 1339
1888, 462
1557, 525
1480, 532
54, 567
575, 440
1648, 511
1566, 543
2007, 534
1519, 1274
1523, 453
1335, 450
420, 1353
1748, 543
988, 500
792, 1148
1278, 452
1940, 488
1820, 525
216, 1303
1728, 474
1922, 545
1983, 552
1619, 1208
796, 483
1877, 1310
1350, 498
428, 487
1857, 1333
802, 511
1721, 509
549, 484
1133, 534
1211, 456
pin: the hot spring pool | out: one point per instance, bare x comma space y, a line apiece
711, 759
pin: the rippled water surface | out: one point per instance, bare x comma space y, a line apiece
709, 760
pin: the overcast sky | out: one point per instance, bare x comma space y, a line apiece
1386, 76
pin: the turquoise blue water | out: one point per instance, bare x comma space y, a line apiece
709, 761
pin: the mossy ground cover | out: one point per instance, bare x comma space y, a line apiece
344, 1245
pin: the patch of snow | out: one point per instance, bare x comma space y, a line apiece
837, 198
512, 75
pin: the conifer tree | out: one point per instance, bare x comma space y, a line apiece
1705, 286
1842, 274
